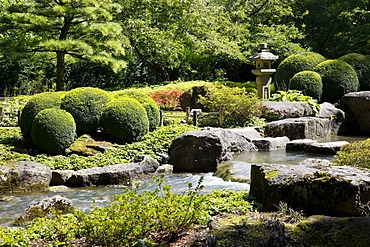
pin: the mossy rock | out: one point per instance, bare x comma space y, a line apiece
53, 130
309, 82
149, 104
36, 104
85, 145
338, 78
361, 64
124, 120
86, 105
294, 64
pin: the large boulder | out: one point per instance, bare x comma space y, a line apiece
57, 204
359, 105
107, 175
312, 186
281, 110
271, 143
299, 128
325, 147
336, 116
203, 150
24, 176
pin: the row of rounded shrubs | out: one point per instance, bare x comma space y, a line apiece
324, 79
51, 121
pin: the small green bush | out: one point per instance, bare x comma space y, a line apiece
53, 130
338, 78
152, 109
296, 96
237, 104
86, 105
36, 104
190, 98
361, 64
294, 64
309, 82
124, 120
354, 154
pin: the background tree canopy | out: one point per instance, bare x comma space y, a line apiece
161, 40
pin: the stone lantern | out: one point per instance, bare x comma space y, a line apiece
263, 59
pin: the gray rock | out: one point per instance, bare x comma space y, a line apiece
107, 175
271, 143
299, 128
24, 176
359, 104
298, 145
284, 110
59, 204
325, 147
248, 133
313, 186
336, 116
203, 150
164, 169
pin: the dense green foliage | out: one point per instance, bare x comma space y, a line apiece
53, 130
361, 64
33, 107
338, 78
190, 98
81, 29
309, 82
12, 148
354, 154
152, 109
86, 105
296, 96
124, 120
12, 107
132, 219
294, 64
236, 104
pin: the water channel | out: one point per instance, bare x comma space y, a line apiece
13, 205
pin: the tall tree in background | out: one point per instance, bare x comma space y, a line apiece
334, 28
84, 29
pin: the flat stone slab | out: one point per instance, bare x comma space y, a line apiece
299, 128
298, 145
107, 175
284, 110
312, 186
325, 147
271, 143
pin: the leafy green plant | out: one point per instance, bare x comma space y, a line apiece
296, 96
11, 106
354, 154
53, 130
237, 105
338, 78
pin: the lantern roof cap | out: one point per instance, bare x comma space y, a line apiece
263, 54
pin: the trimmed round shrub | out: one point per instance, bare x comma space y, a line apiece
361, 64
294, 64
124, 120
86, 105
190, 98
53, 130
36, 104
338, 78
309, 82
152, 109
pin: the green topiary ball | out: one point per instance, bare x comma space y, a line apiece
36, 104
361, 64
86, 105
338, 78
124, 120
294, 64
53, 130
152, 109
309, 82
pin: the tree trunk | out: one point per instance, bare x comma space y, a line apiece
60, 70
